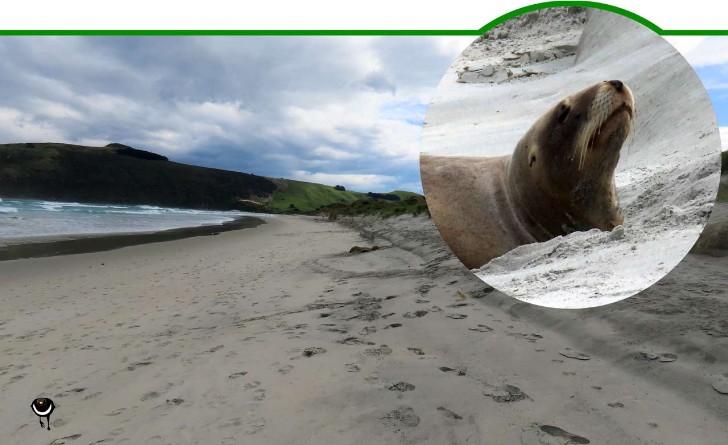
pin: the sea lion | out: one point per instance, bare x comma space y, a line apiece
559, 179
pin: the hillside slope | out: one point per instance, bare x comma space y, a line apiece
64, 172
118, 174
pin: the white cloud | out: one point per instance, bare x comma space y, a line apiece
337, 123
398, 140
364, 182
705, 51
229, 113
55, 110
724, 138
16, 126
333, 153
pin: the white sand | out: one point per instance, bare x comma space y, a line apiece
668, 173
202, 341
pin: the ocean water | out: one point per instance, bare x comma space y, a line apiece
25, 218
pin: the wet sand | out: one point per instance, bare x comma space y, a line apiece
278, 335
14, 249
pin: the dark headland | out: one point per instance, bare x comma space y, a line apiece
120, 174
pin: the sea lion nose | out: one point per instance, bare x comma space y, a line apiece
617, 84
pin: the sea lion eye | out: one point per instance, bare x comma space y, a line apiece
564, 113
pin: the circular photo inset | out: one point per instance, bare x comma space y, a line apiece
570, 157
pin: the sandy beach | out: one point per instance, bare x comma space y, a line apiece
278, 335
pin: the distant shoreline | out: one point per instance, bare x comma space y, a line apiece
75, 244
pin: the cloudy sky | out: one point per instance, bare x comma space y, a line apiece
334, 110
709, 57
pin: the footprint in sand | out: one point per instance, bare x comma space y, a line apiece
569, 353
235, 421
417, 351
457, 316
116, 412
310, 352
449, 414
378, 352
353, 367
401, 386
372, 378
69, 392
16, 378
456, 371
415, 314
255, 426
137, 365
481, 328
64, 440
332, 327
368, 330
403, 416
663, 357
259, 394
285, 369
506, 394
237, 374
549, 435
720, 382
530, 337
149, 396
116, 431
251, 385
59, 423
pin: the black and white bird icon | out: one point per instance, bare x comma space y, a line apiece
43, 407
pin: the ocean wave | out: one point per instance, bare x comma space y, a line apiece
33, 218
54, 206
136, 212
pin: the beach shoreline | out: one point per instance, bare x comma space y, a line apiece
278, 334
37, 247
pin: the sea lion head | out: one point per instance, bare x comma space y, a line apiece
561, 173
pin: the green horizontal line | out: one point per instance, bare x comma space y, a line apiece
369, 32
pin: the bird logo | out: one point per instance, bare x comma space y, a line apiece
43, 407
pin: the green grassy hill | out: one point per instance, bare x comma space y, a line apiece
413, 204
305, 197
